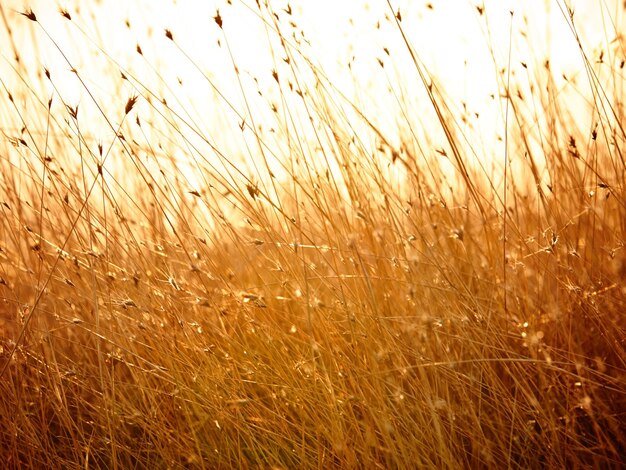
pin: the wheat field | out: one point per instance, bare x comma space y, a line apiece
220, 252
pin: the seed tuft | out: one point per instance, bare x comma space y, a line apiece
218, 19
129, 104
30, 15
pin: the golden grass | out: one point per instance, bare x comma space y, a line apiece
340, 297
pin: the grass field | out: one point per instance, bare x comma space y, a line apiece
285, 270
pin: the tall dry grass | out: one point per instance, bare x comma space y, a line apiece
312, 290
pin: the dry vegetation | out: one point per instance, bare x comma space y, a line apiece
313, 290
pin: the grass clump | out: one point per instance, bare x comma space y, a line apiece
301, 276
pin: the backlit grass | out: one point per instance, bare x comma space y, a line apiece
277, 271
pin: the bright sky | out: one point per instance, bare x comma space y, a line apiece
450, 37
444, 36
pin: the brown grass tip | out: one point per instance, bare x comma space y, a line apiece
30, 15
218, 19
129, 104
73, 111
